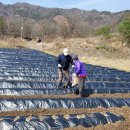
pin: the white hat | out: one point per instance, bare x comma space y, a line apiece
65, 51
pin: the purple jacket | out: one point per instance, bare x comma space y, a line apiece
80, 69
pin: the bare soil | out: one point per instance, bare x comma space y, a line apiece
117, 95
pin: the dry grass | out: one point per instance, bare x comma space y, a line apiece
120, 64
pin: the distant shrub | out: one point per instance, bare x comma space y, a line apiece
105, 31
100, 47
124, 29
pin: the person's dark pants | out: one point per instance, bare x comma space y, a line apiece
63, 74
81, 86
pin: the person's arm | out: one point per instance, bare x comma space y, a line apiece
71, 62
78, 67
59, 61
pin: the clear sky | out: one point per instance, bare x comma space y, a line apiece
100, 5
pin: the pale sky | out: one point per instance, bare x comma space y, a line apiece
100, 5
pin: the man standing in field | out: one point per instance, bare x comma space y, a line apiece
64, 60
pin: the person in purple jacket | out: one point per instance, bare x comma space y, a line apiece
80, 72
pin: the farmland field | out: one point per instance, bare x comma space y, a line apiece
31, 100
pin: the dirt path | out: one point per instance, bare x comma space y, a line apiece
63, 111
65, 96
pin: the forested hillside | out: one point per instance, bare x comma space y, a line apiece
53, 22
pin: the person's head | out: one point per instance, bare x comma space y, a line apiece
75, 57
65, 51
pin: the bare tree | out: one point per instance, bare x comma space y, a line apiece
37, 30
28, 27
14, 26
49, 29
